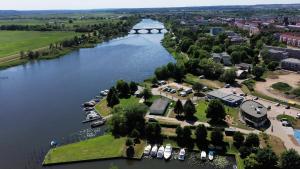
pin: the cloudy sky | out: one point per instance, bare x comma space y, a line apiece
98, 4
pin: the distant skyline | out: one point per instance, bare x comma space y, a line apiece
104, 4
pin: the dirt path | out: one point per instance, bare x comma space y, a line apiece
293, 79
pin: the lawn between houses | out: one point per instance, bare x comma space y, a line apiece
103, 147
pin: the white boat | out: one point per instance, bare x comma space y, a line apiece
203, 155
181, 155
154, 151
147, 150
210, 155
168, 152
160, 152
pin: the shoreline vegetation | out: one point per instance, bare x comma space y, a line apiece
83, 38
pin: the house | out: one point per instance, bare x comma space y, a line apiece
291, 39
241, 74
277, 55
290, 64
253, 113
159, 107
222, 58
283, 53
226, 98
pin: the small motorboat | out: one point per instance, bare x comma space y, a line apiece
160, 152
181, 155
53, 143
203, 155
210, 155
88, 108
98, 123
168, 152
154, 151
147, 150
104, 93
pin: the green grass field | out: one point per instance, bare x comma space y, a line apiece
97, 148
104, 110
12, 42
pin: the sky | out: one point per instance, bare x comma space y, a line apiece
100, 4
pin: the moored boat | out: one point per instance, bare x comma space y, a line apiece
210, 155
160, 152
98, 123
147, 150
154, 151
168, 152
203, 155
181, 155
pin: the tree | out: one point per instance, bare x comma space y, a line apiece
215, 111
187, 136
112, 97
189, 109
236, 57
244, 151
229, 76
273, 65
185, 44
147, 94
22, 54
179, 135
129, 142
259, 44
123, 88
266, 158
134, 117
136, 135
258, 71
290, 159
133, 87
178, 108
153, 132
251, 162
252, 140
238, 139
217, 49
197, 87
130, 148
118, 125
201, 135
217, 137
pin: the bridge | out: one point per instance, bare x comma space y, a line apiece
137, 30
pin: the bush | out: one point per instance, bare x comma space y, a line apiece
296, 92
284, 87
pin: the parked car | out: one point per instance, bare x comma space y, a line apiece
277, 104
227, 86
173, 91
256, 98
288, 107
298, 116
285, 123
269, 107
188, 91
182, 94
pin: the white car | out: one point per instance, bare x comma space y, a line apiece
168, 152
181, 155
160, 153
211, 155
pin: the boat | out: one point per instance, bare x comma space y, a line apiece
203, 155
98, 123
147, 150
53, 143
210, 155
154, 151
160, 152
88, 108
168, 152
104, 93
181, 155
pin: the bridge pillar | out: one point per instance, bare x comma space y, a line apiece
136, 31
149, 31
159, 31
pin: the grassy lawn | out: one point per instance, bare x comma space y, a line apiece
104, 110
12, 42
214, 84
97, 148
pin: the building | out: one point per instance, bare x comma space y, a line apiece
216, 31
253, 113
159, 107
222, 58
291, 39
226, 98
283, 52
277, 55
290, 64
